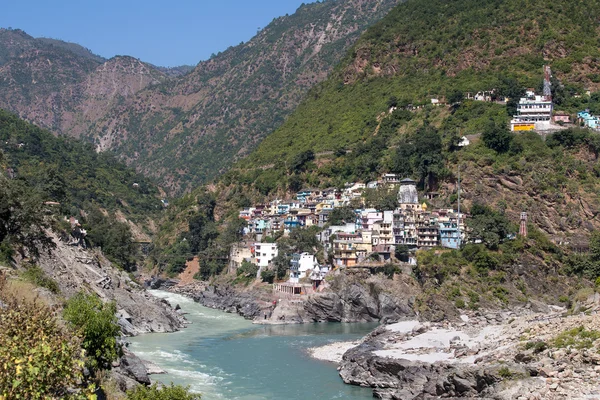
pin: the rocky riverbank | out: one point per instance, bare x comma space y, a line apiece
74, 268
349, 296
505, 355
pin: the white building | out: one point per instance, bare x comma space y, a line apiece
533, 112
264, 253
301, 264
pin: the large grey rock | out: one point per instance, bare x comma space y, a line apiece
134, 367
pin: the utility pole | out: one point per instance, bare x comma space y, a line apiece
458, 216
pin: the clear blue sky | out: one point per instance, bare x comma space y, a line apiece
165, 33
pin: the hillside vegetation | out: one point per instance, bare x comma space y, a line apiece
433, 48
186, 131
183, 127
38, 168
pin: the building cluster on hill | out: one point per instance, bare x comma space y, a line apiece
366, 236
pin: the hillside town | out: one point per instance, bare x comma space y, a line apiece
371, 237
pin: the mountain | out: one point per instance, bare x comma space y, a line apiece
62, 86
373, 115
184, 129
429, 48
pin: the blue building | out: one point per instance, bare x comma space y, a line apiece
450, 234
589, 120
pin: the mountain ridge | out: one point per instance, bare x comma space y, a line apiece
184, 130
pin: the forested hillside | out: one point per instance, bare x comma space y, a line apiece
42, 175
432, 48
188, 130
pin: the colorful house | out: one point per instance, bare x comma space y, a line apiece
589, 120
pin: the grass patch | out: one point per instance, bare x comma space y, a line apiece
579, 338
36, 275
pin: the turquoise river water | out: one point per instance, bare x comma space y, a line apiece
224, 356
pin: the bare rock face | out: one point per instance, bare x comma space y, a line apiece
76, 269
358, 297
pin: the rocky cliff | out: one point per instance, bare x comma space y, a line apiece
74, 269
62, 87
350, 297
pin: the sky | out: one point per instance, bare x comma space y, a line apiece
164, 33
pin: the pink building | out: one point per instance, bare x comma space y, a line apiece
561, 117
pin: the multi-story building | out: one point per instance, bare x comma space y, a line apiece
533, 112
405, 227
264, 253
428, 230
450, 235
301, 264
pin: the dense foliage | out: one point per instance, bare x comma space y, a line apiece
22, 221
419, 51
198, 234
154, 392
72, 172
39, 359
93, 187
98, 326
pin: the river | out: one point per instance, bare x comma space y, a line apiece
224, 356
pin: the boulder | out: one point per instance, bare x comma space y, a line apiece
134, 367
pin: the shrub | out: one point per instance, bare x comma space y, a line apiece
389, 270
579, 337
538, 346
38, 277
172, 392
97, 323
268, 275
505, 373
460, 303
247, 269
38, 358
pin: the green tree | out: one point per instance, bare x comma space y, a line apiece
39, 358
491, 227
22, 222
302, 240
341, 215
268, 275
247, 269
456, 96
281, 262
381, 199
497, 137
98, 325
299, 162
402, 252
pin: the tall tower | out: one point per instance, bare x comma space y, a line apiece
523, 226
547, 84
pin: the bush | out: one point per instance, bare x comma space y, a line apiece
172, 392
98, 325
579, 338
460, 303
247, 269
538, 346
268, 275
38, 358
389, 270
38, 277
